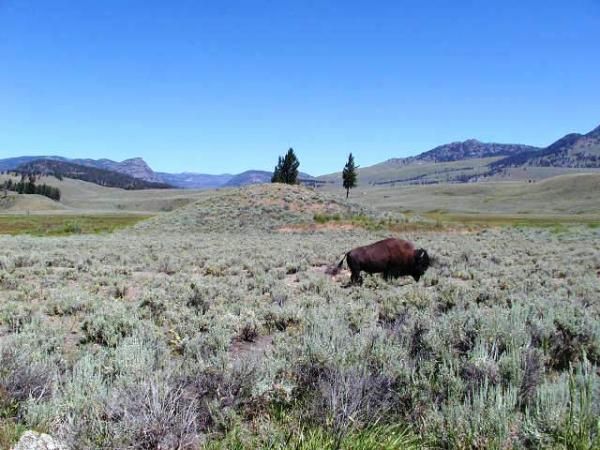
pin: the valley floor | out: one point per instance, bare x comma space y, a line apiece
218, 339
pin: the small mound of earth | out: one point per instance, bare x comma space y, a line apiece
263, 207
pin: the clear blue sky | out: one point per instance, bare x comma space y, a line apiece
225, 86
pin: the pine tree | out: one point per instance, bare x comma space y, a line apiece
286, 170
276, 178
349, 175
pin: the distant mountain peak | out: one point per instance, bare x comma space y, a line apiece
135, 167
469, 149
136, 159
595, 132
573, 150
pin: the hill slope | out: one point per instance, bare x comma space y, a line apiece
471, 149
251, 208
469, 160
571, 151
101, 177
561, 195
454, 162
401, 171
85, 197
31, 203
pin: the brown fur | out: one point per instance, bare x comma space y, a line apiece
392, 257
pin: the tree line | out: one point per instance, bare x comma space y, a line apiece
286, 171
27, 185
99, 176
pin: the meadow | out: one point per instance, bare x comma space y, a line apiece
216, 326
61, 225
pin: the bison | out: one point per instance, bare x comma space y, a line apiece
392, 257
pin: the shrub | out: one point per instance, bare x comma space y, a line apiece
109, 325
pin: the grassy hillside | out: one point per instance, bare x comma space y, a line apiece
533, 173
253, 208
399, 172
83, 196
563, 195
28, 203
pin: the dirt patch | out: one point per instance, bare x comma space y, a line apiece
327, 270
71, 339
292, 280
132, 293
242, 350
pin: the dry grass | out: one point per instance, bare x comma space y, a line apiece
187, 331
569, 195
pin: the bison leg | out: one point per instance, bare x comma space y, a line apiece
355, 270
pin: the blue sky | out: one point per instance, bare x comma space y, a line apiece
225, 86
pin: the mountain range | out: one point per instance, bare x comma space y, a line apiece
574, 150
97, 175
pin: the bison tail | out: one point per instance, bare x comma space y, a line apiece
339, 266
334, 270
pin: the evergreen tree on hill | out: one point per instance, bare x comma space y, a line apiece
286, 170
349, 175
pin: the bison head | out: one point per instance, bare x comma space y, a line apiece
421, 263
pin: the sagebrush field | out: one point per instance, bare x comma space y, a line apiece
217, 326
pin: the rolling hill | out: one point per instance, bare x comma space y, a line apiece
471, 149
102, 177
400, 171
472, 160
573, 195
253, 208
79, 196
28, 203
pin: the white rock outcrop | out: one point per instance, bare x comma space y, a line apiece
31, 440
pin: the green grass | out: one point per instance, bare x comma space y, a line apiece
63, 225
376, 437
370, 223
10, 431
551, 221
